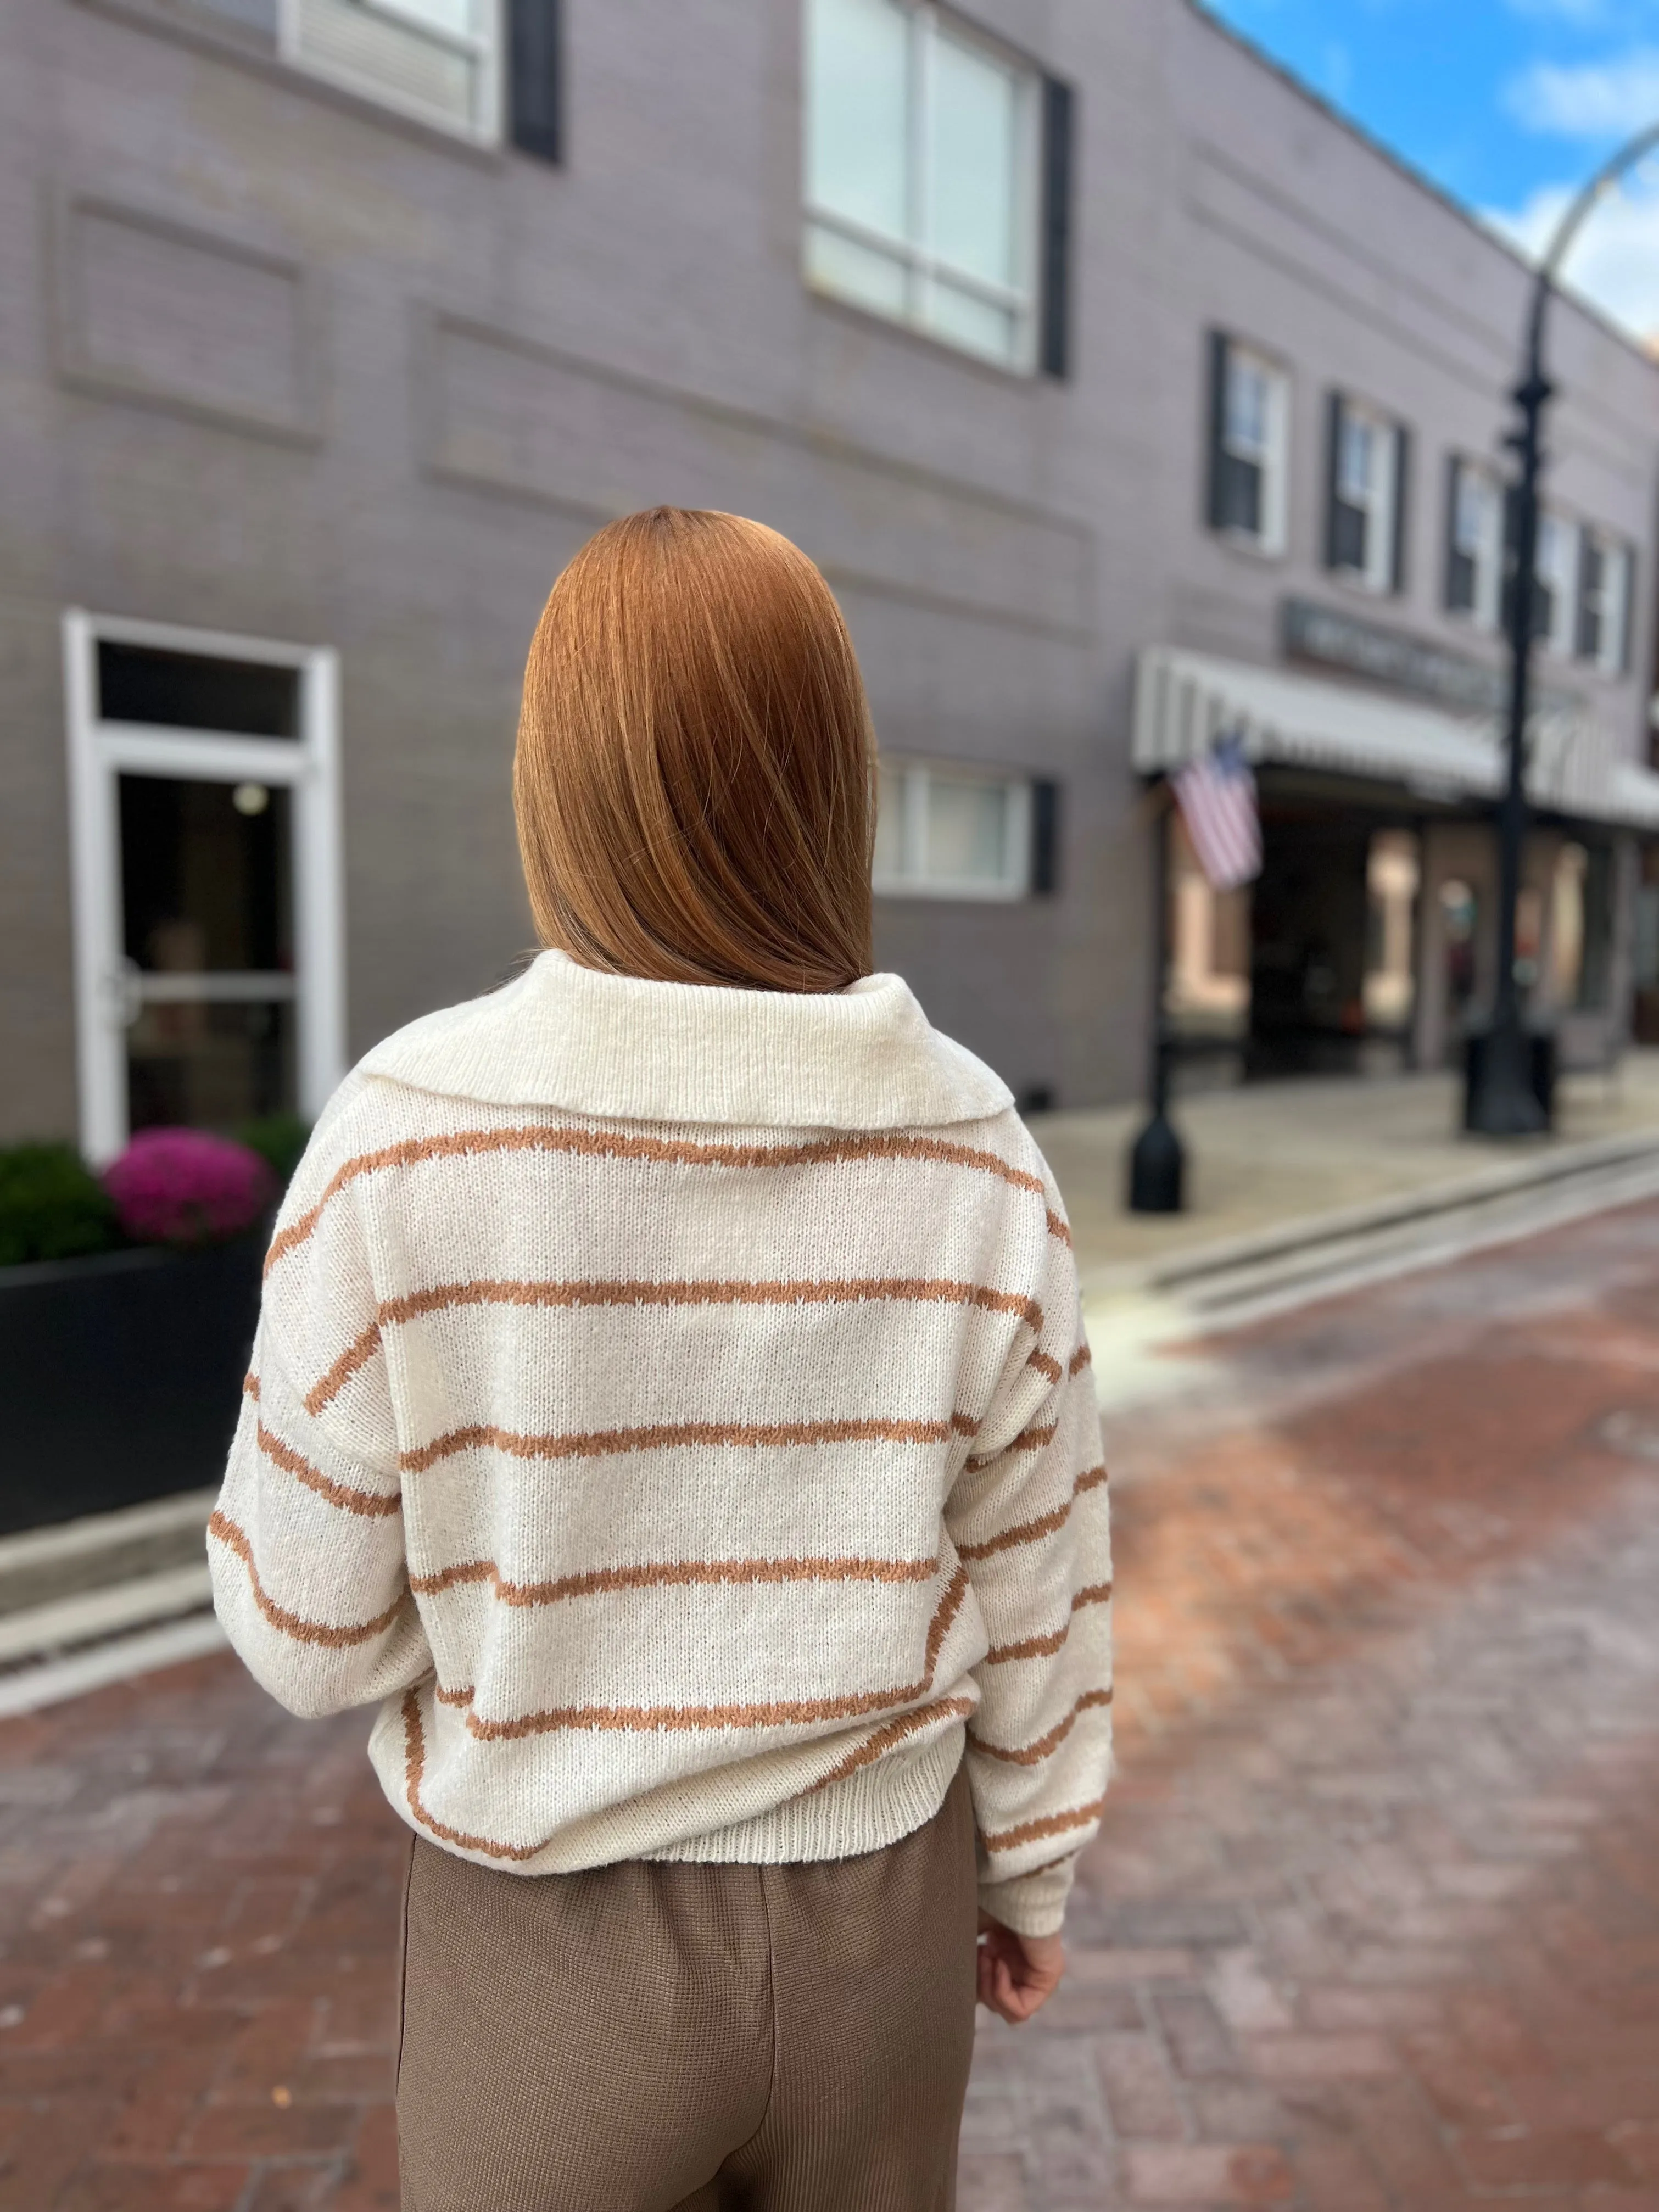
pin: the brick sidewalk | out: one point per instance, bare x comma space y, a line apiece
1375, 1922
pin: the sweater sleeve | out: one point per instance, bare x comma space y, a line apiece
306, 1542
1028, 1518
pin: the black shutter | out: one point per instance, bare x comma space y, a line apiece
534, 88
1587, 640
1332, 466
1402, 507
1627, 610
1452, 598
1215, 477
1045, 838
1059, 107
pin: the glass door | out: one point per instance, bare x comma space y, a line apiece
207, 918
204, 815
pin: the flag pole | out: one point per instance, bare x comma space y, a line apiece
1158, 1158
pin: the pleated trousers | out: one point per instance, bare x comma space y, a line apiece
648, 2037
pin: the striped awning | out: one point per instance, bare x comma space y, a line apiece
1185, 700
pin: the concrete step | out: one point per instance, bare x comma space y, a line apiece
96, 1599
1588, 1175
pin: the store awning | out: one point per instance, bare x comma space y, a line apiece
1185, 700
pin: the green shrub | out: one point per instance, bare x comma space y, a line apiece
51, 1205
279, 1139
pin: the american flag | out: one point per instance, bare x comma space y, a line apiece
1217, 797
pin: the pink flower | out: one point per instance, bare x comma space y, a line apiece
185, 1186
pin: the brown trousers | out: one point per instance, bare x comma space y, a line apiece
645, 2037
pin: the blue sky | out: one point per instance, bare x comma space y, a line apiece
1508, 104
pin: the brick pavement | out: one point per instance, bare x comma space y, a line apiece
1375, 1922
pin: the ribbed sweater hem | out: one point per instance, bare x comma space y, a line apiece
864, 1812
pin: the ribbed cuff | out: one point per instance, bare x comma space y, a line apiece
1031, 1904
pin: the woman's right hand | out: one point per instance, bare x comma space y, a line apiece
1017, 1974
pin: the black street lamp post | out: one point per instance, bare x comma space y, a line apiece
1501, 1100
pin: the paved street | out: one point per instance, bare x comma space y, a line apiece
1374, 1923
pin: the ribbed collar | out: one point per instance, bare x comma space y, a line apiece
563, 1035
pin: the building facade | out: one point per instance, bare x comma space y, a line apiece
1125, 395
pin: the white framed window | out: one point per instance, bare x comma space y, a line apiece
1367, 468
205, 862
947, 831
438, 61
1474, 545
1555, 584
1604, 597
1249, 463
921, 199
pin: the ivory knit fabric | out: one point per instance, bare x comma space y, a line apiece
670, 1405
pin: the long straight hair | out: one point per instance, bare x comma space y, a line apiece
693, 777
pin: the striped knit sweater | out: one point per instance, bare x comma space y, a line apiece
670, 1407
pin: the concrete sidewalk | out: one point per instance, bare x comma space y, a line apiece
1270, 1162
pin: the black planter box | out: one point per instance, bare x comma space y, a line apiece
121, 1377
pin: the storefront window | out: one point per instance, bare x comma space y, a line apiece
1392, 871
1580, 957
1460, 924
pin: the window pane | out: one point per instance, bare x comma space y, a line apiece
972, 183
863, 273
1460, 583
205, 875
1246, 429
967, 828
454, 16
1474, 505
1355, 460
188, 691
1349, 536
971, 322
210, 1065
889, 862
1241, 495
858, 72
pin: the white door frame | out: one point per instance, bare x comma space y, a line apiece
308, 765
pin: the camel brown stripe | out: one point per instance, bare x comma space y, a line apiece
1080, 1358
1027, 1532
1032, 1754
661, 1573
368, 1502
794, 1712
303, 1631
1050, 1370
1010, 1839
1057, 1227
1043, 1647
1031, 1439
894, 1732
251, 1387
608, 1144
936, 1290
595, 1443
415, 1769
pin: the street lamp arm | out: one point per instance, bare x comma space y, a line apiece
1634, 150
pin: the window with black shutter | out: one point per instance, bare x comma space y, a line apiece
1364, 524
1249, 416
1590, 597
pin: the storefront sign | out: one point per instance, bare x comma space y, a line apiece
1394, 658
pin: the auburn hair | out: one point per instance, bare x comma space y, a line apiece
694, 772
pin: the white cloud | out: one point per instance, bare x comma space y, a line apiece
1615, 260
1604, 99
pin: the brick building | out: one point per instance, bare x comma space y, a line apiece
1124, 394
